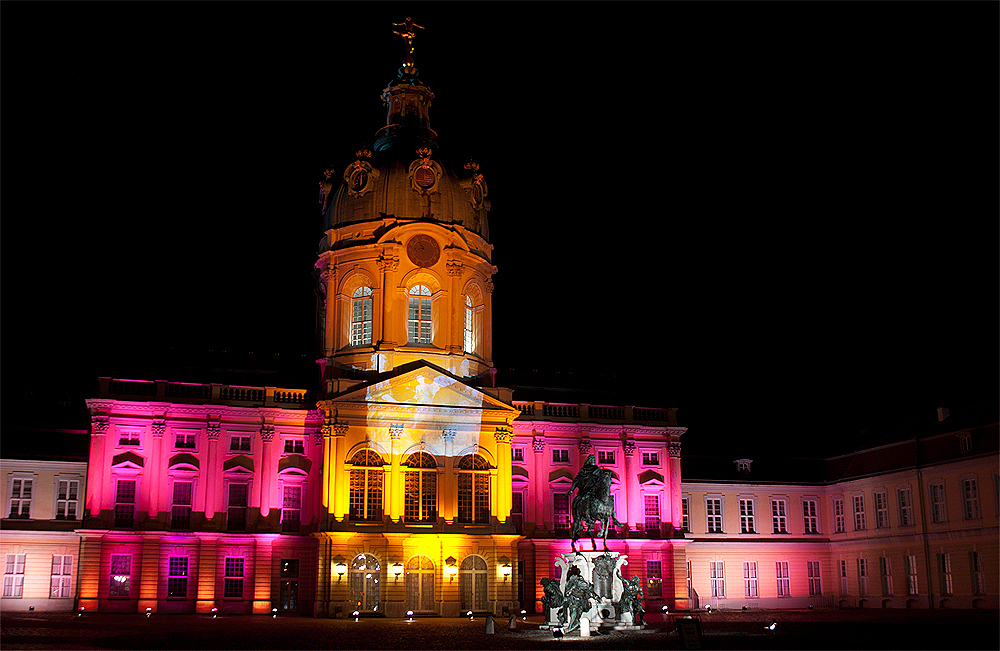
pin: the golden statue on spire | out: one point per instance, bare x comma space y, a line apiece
406, 31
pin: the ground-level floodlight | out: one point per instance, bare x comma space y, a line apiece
79, 613
409, 615
215, 613
524, 614
274, 613
773, 625
355, 614
708, 609
666, 611
470, 615
557, 632
149, 612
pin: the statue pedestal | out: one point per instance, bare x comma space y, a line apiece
600, 569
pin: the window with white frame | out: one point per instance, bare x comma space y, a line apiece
291, 507
361, 317
784, 583
240, 442
717, 578
469, 341
233, 579
939, 512
651, 511
839, 517
881, 509
905, 499
970, 493
185, 439
910, 565
237, 504
125, 502
654, 579
129, 436
810, 516
517, 454
747, 518
121, 575
61, 582
650, 458
713, 514
863, 577
418, 321
859, 512
978, 574
688, 574
843, 577
180, 504
685, 514
13, 576
885, 572
560, 511
944, 573
812, 574
606, 457
19, 503
177, 577
560, 455
779, 516
750, 579
294, 445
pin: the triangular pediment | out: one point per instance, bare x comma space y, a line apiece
424, 384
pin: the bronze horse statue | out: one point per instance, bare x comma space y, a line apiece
593, 505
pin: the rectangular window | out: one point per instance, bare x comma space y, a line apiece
905, 507
61, 583
885, 571
781, 573
238, 503
978, 575
129, 437
654, 579
291, 507
839, 518
239, 443
970, 492
688, 573
517, 509
177, 577
812, 570
747, 524
20, 499
185, 440
180, 507
233, 579
560, 511
13, 576
859, 513
121, 575
717, 578
517, 454
713, 510
843, 578
67, 499
779, 516
651, 510
810, 516
650, 458
295, 446
881, 509
910, 565
686, 514
606, 457
944, 572
863, 577
560, 455
750, 580
938, 511
125, 503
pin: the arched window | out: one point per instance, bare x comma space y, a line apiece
366, 572
420, 584
366, 486
473, 489
469, 342
420, 501
418, 323
472, 583
361, 318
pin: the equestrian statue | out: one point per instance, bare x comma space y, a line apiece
593, 502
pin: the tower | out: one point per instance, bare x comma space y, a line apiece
405, 261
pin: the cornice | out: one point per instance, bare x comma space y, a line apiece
129, 409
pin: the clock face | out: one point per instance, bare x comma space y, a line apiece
423, 250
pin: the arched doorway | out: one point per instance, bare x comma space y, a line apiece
366, 577
472, 583
420, 584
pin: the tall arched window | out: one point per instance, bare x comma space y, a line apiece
418, 323
361, 317
474, 489
420, 584
473, 583
366, 486
366, 572
420, 501
469, 342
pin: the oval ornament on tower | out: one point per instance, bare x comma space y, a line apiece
423, 250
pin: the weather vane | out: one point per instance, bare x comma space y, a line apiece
405, 30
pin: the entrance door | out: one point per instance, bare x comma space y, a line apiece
472, 583
366, 575
420, 584
288, 588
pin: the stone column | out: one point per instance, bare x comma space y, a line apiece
388, 262
394, 486
674, 487
487, 334
339, 495
95, 478
329, 276
455, 317
156, 462
448, 506
633, 500
503, 437
540, 479
211, 489
263, 473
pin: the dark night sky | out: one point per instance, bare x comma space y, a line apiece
780, 218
